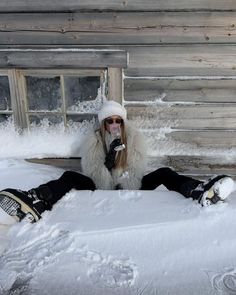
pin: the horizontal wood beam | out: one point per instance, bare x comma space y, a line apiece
212, 140
200, 166
62, 58
177, 116
182, 60
64, 163
164, 141
148, 5
175, 91
117, 28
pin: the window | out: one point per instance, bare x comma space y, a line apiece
58, 84
5, 98
55, 95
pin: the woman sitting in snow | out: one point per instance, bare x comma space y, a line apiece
113, 158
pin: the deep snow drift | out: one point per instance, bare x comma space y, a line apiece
117, 242
111, 242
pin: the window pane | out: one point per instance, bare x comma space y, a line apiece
5, 99
79, 89
4, 117
40, 119
44, 94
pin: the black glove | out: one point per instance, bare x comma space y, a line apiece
115, 143
111, 155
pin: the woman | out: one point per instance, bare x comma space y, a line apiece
113, 157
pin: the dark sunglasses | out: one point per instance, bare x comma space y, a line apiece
111, 121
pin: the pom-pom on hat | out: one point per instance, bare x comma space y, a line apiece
111, 108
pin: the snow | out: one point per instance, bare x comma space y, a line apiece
116, 242
110, 242
42, 140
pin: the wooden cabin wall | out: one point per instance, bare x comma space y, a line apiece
180, 84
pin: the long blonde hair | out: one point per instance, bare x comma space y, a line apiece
121, 158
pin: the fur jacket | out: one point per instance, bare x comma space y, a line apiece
93, 158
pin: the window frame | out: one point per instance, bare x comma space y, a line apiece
15, 62
22, 90
7, 112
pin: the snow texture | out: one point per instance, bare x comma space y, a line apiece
116, 242
46, 140
110, 242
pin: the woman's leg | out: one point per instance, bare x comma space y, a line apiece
33, 203
171, 180
54, 190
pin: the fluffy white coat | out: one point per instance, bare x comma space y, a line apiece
93, 158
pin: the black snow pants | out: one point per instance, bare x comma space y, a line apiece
54, 190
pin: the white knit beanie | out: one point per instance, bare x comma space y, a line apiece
111, 108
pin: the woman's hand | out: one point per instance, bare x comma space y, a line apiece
115, 143
111, 155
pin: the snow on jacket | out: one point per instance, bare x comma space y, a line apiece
93, 158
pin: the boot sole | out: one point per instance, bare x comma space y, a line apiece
24, 207
214, 193
224, 187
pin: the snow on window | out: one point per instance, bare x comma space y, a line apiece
64, 98
5, 99
79, 89
52, 119
92, 106
43, 93
4, 117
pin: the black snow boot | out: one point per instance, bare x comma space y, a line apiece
23, 204
213, 190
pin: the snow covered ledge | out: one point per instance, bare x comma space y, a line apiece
117, 242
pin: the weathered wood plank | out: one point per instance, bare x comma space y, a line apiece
199, 166
143, 60
214, 116
166, 141
207, 139
64, 163
74, 58
181, 60
117, 28
175, 90
74, 5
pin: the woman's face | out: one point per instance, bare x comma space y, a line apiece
113, 123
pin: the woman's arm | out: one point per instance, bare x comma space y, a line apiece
93, 158
136, 163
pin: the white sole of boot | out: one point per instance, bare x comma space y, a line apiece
222, 188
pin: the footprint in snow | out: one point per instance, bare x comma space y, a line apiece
20, 264
113, 273
224, 282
